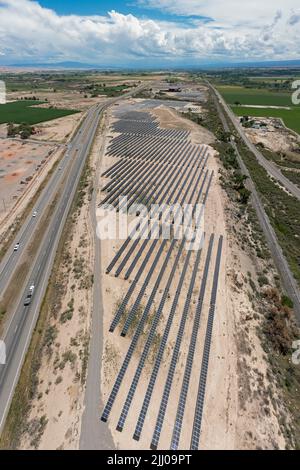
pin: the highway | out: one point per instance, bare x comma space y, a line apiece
19, 330
270, 167
280, 261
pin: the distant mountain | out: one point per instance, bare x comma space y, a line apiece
201, 65
264, 64
63, 65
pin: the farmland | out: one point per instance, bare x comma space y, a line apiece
26, 111
242, 99
290, 117
254, 96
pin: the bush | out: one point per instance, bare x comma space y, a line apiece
287, 302
263, 280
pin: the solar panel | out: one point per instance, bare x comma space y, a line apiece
206, 352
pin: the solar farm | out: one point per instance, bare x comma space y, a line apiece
160, 298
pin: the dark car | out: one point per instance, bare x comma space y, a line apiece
27, 301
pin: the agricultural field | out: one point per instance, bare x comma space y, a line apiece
273, 79
290, 117
28, 111
254, 96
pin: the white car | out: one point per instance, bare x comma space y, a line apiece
17, 246
34, 214
31, 289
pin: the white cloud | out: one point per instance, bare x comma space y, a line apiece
251, 13
29, 32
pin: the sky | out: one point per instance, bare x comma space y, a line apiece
140, 33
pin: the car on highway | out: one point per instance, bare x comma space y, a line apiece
34, 214
17, 246
29, 296
27, 301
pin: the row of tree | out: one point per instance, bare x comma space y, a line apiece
23, 130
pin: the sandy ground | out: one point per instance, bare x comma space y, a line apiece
30, 162
58, 130
232, 417
19, 163
171, 120
61, 387
60, 99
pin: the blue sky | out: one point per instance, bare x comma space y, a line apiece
91, 7
101, 7
160, 33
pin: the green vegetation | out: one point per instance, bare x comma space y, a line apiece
103, 89
290, 117
26, 111
282, 210
273, 79
23, 130
285, 158
254, 96
293, 177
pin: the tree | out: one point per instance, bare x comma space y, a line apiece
11, 130
244, 195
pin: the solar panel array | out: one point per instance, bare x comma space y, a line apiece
190, 357
159, 166
206, 352
133, 124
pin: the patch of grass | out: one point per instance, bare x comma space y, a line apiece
254, 96
287, 302
26, 111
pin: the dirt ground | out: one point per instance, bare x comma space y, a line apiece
169, 119
19, 163
277, 140
231, 420
59, 130
60, 99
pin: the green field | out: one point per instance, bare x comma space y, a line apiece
252, 96
24, 111
273, 79
291, 118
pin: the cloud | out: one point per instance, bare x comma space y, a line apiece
255, 13
294, 18
29, 32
